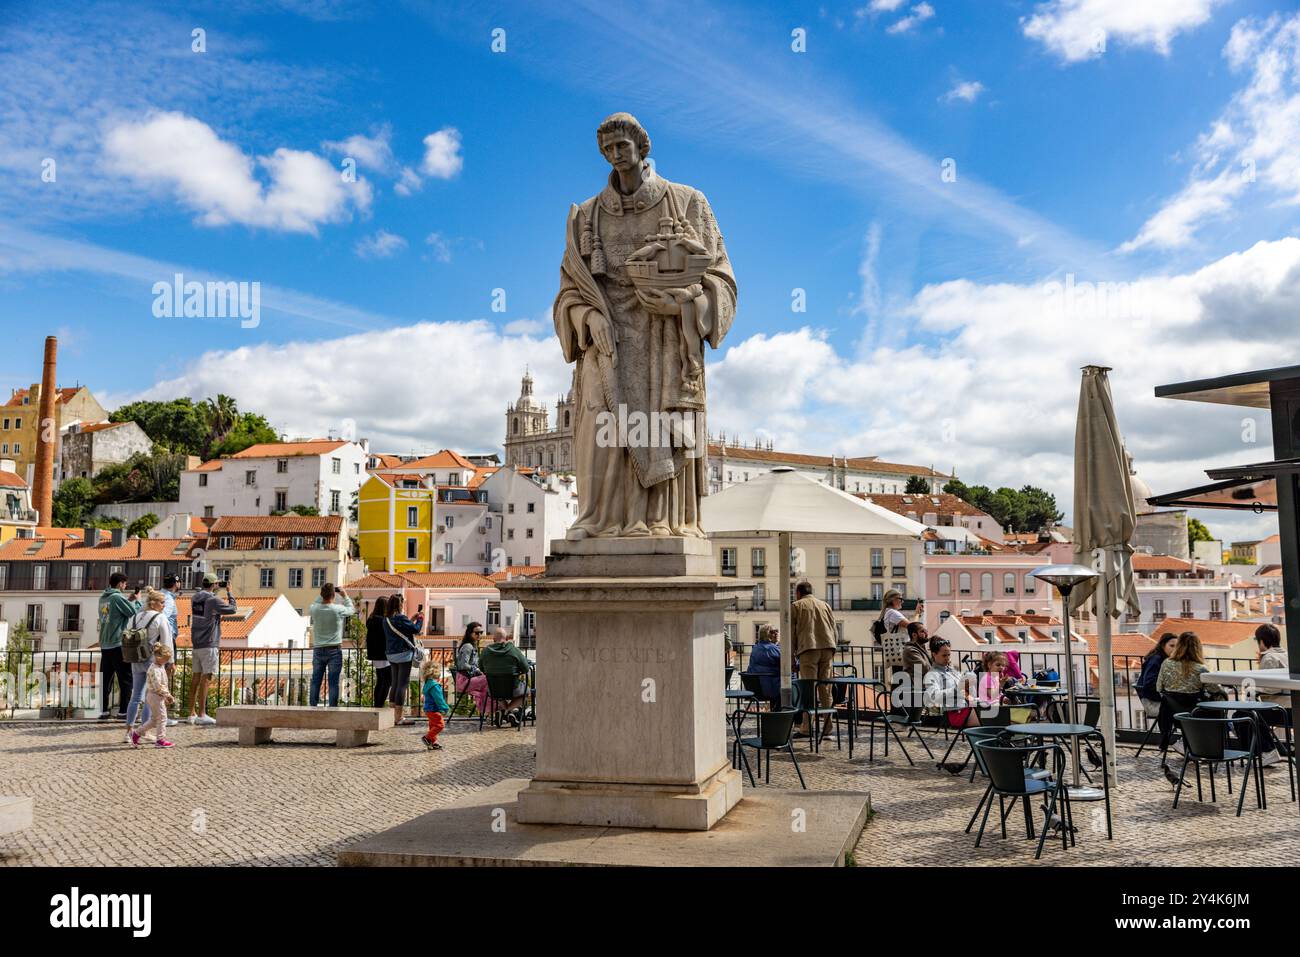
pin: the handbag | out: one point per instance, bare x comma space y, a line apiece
892, 645
136, 646
417, 651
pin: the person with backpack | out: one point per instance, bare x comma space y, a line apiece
403, 651
147, 627
115, 610
206, 612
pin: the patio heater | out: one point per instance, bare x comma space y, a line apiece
1065, 578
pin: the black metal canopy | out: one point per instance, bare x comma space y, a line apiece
1250, 389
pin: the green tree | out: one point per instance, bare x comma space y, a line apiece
104, 521
72, 503
1039, 508
178, 425
18, 660
309, 510
917, 486
250, 429
141, 526
221, 416
1197, 532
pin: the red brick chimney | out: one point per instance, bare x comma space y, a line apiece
47, 434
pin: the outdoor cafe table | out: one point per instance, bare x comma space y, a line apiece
743, 699
1257, 708
851, 685
1044, 729
1043, 698
1271, 679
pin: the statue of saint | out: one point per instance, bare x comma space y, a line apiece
645, 282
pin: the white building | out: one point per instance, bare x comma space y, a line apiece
730, 464
274, 477
533, 510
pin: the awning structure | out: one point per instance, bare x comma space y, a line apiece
1256, 495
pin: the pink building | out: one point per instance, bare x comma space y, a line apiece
978, 585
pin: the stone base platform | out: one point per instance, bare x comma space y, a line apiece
644, 556
768, 828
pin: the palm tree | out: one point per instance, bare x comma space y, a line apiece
220, 416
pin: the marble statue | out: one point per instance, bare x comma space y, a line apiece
645, 282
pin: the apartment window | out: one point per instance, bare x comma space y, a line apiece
1187, 607
203, 480
833, 594
487, 521
6, 426
510, 534
758, 562
1029, 584
1158, 609
900, 587
411, 549
18, 448
281, 466
225, 541
510, 508
207, 511
945, 583
268, 541
448, 553
528, 534
35, 617
71, 620
250, 477
839, 632
153, 578
336, 466
412, 516
532, 507
453, 478
224, 574
1215, 611
4, 448
334, 500
760, 598
986, 585
39, 574
317, 577
877, 562
281, 500
322, 542
832, 561
114, 569
963, 583
1009, 583
449, 521
4, 577
266, 578
898, 561
729, 562
18, 422
877, 591
76, 577
295, 577
297, 542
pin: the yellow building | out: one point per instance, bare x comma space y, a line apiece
407, 522
16, 515
19, 428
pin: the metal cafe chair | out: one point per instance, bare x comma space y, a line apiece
774, 734
806, 701
1010, 773
1205, 742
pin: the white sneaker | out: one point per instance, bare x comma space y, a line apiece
193, 719
172, 722
205, 719
128, 735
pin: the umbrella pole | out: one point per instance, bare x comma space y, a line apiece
1106, 664
1072, 715
787, 637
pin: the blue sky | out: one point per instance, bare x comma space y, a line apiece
1091, 138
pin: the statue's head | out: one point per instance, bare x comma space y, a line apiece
623, 141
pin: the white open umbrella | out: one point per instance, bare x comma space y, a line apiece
1104, 518
784, 501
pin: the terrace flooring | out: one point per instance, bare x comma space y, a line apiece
299, 800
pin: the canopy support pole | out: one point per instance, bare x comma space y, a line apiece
787, 637
1105, 663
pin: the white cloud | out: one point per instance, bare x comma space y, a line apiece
1077, 30
967, 91
217, 180
408, 181
885, 6
1253, 146
527, 327
920, 13
374, 153
380, 245
442, 159
439, 247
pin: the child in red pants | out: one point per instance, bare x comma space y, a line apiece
435, 702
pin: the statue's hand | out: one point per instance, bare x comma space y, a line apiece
667, 302
601, 334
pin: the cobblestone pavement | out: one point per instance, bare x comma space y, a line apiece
299, 801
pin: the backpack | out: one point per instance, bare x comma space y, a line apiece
136, 646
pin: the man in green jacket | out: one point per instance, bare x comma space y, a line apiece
115, 610
503, 658
329, 614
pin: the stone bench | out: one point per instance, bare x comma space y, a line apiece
353, 725
15, 813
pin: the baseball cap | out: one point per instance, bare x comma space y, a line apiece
209, 578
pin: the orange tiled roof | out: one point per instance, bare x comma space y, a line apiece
284, 450
64, 395
442, 459
11, 480
949, 504
422, 580
386, 460
1142, 562
102, 426
518, 571
1122, 644
211, 465
64, 534
140, 549
1211, 631
278, 524
862, 463
483, 474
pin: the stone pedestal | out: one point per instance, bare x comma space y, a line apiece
630, 667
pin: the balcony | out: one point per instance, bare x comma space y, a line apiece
832, 571
758, 571
877, 571
18, 515
899, 571
728, 571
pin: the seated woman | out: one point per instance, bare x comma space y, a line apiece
1146, 683
1180, 685
469, 678
1269, 641
944, 689
765, 662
